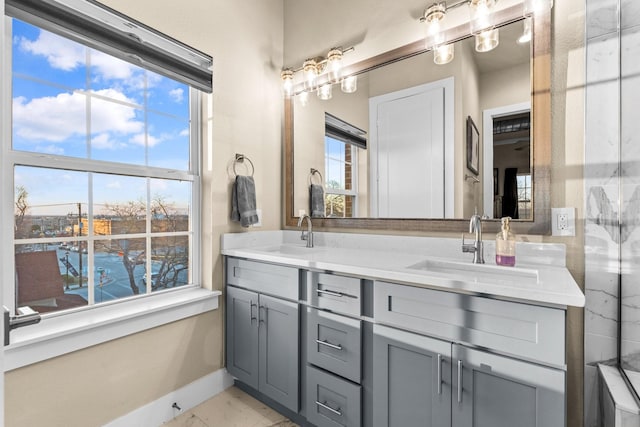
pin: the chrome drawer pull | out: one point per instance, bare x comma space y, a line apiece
329, 408
332, 293
459, 381
439, 374
328, 344
251, 312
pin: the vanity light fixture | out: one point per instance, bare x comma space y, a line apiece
526, 33
349, 84
434, 40
487, 40
482, 24
443, 54
287, 81
312, 71
334, 65
325, 91
303, 97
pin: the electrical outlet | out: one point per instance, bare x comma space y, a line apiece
301, 212
563, 221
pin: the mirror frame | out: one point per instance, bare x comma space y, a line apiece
541, 137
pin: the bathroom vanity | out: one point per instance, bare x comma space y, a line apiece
370, 330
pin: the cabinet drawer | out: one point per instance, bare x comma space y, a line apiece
334, 343
332, 401
524, 330
336, 293
270, 279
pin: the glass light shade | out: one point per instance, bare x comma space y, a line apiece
532, 7
310, 71
487, 40
325, 91
303, 98
334, 65
526, 33
287, 81
349, 84
443, 54
481, 15
433, 16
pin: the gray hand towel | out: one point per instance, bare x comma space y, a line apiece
316, 200
243, 201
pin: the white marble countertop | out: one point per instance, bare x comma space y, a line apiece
540, 276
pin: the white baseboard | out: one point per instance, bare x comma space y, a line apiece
160, 411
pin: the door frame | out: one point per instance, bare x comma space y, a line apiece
487, 148
448, 85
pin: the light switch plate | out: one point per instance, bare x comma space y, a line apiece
563, 221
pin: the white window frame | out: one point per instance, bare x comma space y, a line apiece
354, 177
62, 332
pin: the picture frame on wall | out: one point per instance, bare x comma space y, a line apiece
473, 146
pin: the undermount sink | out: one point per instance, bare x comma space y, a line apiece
478, 272
291, 249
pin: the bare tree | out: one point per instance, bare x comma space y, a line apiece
169, 251
128, 218
22, 206
172, 253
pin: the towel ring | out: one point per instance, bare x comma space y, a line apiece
312, 173
240, 158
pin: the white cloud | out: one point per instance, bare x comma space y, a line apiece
64, 54
184, 132
177, 95
58, 118
50, 149
139, 139
61, 53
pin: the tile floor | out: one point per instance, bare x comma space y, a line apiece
231, 408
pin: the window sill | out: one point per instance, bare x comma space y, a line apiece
58, 335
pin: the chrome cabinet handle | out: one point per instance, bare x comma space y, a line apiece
329, 408
439, 374
251, 312
328, 344
332, 293
459, 381
262, 307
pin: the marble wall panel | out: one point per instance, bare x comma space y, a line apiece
629, 13
602, 17
602, 200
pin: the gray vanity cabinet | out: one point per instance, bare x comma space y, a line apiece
263, 332
496, 391
411, 379
242, 335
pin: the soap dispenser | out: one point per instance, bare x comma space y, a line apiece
506, 245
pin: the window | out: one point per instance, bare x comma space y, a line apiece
340, 144
102, 164
524, 195
340, 182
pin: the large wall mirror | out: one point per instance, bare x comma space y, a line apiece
420, 146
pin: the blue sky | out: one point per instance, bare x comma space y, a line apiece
54, 80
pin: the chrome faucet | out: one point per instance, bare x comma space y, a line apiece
308, 235
477, 247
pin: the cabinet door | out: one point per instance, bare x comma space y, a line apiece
496, 391
242, 335
279, 357
411, 379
